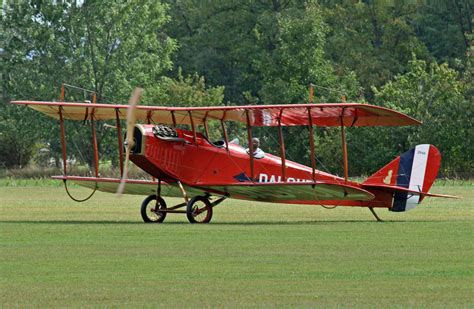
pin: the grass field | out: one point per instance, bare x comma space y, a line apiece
58, 253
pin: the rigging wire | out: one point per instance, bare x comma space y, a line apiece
79, 152
306, 148
84, 90
78, 200
79, 88
329, 89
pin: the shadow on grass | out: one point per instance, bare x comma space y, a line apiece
243, 223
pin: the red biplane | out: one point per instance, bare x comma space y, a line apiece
185, 163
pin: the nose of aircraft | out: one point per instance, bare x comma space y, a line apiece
135, 142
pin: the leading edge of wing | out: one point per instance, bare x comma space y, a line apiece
327, 114
293, 192
133, 186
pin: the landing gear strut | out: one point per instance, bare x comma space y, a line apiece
198, 209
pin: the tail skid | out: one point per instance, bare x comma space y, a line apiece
409, 176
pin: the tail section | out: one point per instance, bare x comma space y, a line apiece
408, 176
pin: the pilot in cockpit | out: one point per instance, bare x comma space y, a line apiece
257, 152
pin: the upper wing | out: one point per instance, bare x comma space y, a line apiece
294, 193
326, 115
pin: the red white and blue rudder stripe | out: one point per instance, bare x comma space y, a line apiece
411, 173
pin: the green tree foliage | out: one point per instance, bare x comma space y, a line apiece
186, 91
297, 57
444, 27
375, 39
183, 91
249, 52
216, 40
436, 95
263, 52
17, 149
107, 47
253, 48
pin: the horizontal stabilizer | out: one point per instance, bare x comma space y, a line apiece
412, 192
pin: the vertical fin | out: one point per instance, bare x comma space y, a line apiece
415, 170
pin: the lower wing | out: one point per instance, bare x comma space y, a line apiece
294, 193
133, 186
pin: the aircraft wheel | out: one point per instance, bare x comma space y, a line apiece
150, 209
199, 210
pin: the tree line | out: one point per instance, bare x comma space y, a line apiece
412, 56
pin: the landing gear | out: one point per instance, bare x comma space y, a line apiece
375, 215
199, 210
150, 209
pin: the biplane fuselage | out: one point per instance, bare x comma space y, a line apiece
197, 162
202, 162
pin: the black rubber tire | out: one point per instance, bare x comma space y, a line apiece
194, 212
146, 210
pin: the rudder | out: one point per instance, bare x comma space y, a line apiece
415, 171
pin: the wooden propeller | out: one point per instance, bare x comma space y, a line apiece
129, 143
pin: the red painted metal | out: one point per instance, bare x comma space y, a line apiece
173, 117
226, 138
148, 117
63, 141
224, 132
282, 152
213, 168
249, 140
193, 127
206, 127
344, 149
119, 139
311, 145
63, 93
94, 145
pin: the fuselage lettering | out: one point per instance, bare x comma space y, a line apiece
277, 178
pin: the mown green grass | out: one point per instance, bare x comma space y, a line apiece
55, 252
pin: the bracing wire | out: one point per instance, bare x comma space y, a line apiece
306, 148
84, 92
75, 199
